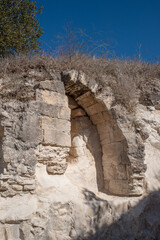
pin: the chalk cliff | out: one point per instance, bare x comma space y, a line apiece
74, 164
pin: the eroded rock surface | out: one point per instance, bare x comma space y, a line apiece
67, 154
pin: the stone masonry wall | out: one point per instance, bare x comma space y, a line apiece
20, 132
55, 124
31, 132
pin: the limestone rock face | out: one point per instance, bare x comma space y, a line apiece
122, 148
74, 165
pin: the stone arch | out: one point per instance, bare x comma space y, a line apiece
118, 176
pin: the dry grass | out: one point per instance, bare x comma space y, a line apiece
127, 78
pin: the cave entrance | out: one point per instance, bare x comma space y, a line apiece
85, 159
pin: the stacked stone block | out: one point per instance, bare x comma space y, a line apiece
20, 132
55, 125
34, 131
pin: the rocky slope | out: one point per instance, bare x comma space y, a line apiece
75, 164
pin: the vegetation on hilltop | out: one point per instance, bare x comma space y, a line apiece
130, 80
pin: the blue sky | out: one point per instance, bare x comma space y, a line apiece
124, 24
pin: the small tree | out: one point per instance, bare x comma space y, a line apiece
19, 27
